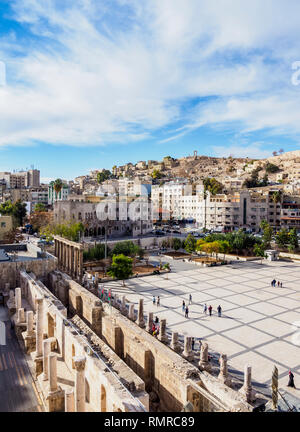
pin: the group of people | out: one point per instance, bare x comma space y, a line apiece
156, 301
155, 327
274, 282
185, 308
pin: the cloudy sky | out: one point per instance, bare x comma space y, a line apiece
93, 83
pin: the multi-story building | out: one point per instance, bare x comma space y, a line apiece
290, 213
117, 218
22, 179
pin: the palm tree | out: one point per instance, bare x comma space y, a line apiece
57, 186
276, 197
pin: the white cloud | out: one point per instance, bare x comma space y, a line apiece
255, 151
118, 71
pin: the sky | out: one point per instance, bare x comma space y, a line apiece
88, 84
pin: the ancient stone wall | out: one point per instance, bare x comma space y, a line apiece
164, 372
9, 271
109, 384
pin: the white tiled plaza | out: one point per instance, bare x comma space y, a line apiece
258, 324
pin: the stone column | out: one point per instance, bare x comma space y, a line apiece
52, 370
46, 352
131, 314
204, 364
18, 299
162, 331
29, 322
69, 400
79, 364
123, 306
80, 264
175, 343
150, 322
21, 316
247, 390
39, 326
223, 375
187, 352
140, 321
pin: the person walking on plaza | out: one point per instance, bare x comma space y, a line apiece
205, 309
291, 380
156, 320
186, 312
153, 300
190, 299
158, 301
219, 311
210, 310
280, 284
193, 343
183, 305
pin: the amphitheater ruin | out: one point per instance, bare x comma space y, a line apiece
93, 356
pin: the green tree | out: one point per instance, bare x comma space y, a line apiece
260, 251
39, 207
282, 238
103, 176
156, 174
293, 240
267, 233
190, 244
176, 243
121, 267
127, 248
272, 168
57, 186
276, 197
17, 210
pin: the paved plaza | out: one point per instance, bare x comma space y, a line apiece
258, 321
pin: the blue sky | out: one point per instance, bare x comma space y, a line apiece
94, 83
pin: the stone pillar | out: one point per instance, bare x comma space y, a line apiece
150, 322
204, 364
55, 398
69, 400
39, 326
52, 370
30, 338
187, 352
131, 314
140, 321
21, 316
162, 331
223, 375
175, 343
46, 352
29, 322
247, 390
79, 364
80, 264
123, 306
18, 299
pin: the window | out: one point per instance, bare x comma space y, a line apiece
3, 224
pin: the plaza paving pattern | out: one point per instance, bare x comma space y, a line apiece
258, 321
